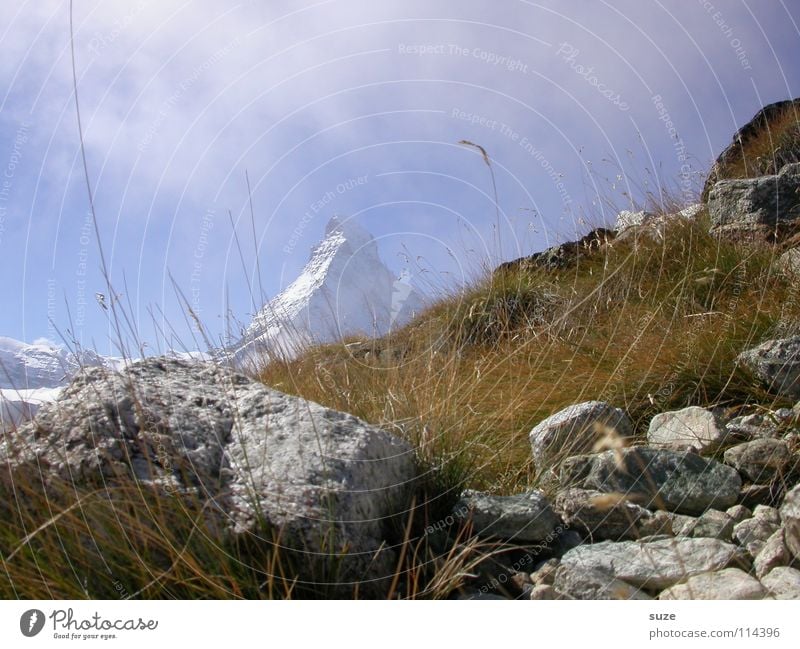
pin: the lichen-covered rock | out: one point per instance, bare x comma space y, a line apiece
655, 565
658, 479
773, 554
767, 513
790, 515
752, 426
603, 516
593, 584
521, 518
783, 582
695, 427
765, 207
266, 462
730, 583
777, 364
713, 524
753, 534
739, 513
575, 430
762, 460
789, 263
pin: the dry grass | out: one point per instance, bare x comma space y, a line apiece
776, 146
649, 326
129, 541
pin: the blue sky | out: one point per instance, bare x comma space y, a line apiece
345, 107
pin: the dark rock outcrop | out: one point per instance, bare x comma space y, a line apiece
733, 156
561, 256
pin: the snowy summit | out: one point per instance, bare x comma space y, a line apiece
344, 289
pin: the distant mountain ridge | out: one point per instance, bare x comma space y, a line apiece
42, 364
32, 374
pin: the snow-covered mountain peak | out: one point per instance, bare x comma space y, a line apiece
349, 228
42, 364
344, 289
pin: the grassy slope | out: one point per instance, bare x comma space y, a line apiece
648, 326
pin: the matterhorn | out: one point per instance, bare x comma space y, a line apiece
344, 290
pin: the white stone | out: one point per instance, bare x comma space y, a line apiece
729, 584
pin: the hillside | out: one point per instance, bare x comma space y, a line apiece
652, 320
616, 417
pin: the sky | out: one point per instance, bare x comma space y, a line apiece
219, 138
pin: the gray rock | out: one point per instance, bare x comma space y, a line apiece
626, 219
602, 516
681, 523
593, 584
655, 565
739, 513
762, 460
694, 427
522, 518
684, 483
576, 430
753, 426
753, 534
777, 364
790, 515
713, 524
773, 554
789, 263
574, 470
730, 583
635, 226
783, 583
767, 513
263, 460
760, 206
